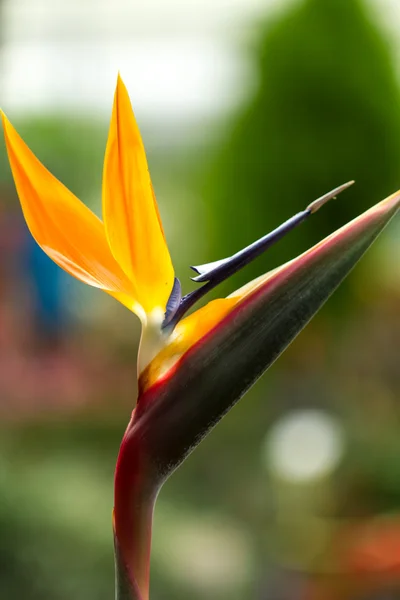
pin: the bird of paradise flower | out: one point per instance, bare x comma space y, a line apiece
190, 370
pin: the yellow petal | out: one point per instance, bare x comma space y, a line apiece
130, 211
62, 225
185, 335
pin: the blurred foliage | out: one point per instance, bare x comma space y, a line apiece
327, 110
52, 478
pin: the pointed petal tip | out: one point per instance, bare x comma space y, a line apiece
390, 203
383, 210
319, 203
121, 87
8, 127
132, 222
6, 123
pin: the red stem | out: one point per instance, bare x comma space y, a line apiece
135, 493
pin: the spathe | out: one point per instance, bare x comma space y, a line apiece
176, 412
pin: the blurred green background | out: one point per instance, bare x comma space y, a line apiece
249, 110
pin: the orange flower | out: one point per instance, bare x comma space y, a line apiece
192, 370
126, 255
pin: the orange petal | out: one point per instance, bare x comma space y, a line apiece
130, 211
61, 224
185, 335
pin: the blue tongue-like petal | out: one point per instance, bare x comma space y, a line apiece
174, 300
208, 267
217, 271
221, 269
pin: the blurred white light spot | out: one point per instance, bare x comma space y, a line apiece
304, 445
202, 552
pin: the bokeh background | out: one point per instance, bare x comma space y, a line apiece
249, 110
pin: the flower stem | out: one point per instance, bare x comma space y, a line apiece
135, 493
